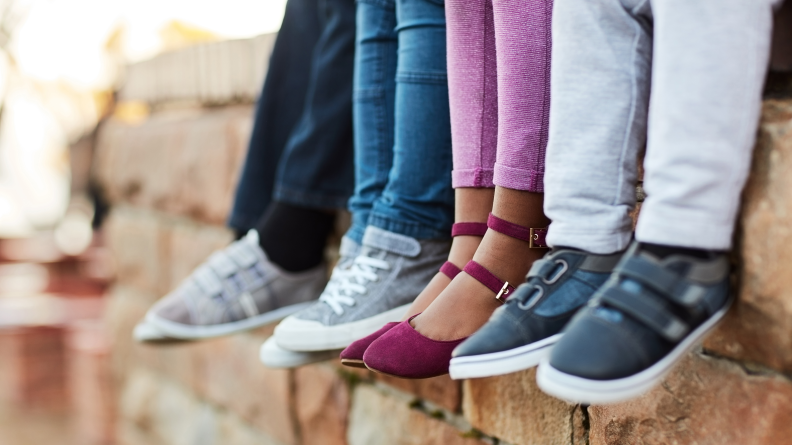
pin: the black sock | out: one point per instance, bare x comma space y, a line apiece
662, 251
294, 237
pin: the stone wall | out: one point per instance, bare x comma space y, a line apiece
171, 178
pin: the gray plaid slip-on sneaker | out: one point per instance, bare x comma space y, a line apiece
236, 289
391, 270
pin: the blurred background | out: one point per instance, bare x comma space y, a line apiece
63, 65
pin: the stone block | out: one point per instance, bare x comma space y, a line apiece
184, 163
441, 391
381, 419
322, 405
138, 242
703, 401
155, 410
514, 409
759, 327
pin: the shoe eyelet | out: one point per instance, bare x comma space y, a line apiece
559, 274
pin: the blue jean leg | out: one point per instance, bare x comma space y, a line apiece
277, 112
300, 151
416, 199
374, 98
318, 170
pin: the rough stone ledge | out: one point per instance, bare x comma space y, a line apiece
184, 163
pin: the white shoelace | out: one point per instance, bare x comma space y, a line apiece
346, 283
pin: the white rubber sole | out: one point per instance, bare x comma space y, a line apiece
145, 332
273, 356
599, 392
189, 332
304, 335
503, 362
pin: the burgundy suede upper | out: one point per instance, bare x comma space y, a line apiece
404, 352
357, 348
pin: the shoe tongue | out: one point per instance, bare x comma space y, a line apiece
391, 242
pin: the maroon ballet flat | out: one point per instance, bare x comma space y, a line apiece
404, 352
353, 354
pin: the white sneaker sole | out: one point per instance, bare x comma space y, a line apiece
580, 390
305, 335
146, 332
503, 362
273, 356
190, 332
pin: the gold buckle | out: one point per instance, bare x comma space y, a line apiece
504, 291
533, 237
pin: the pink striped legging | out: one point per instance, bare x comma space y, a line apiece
499, 90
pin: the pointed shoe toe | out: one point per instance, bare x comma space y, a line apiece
403, 352
353, 354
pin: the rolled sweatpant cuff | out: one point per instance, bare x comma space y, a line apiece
519, 178
683, 230
473, 177
601, 242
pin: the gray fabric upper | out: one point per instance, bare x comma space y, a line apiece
238, 282
401, 268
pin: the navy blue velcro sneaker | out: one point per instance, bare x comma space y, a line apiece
521, 332
648, 314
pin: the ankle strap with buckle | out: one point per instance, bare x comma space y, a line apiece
534, 236
502, 289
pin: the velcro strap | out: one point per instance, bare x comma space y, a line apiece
450, 270
534, 236
541, 268
469, 228
667, 283
222, 264
488, 279
647, 311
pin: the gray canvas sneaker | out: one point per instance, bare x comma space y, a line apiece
391, 270
236, 289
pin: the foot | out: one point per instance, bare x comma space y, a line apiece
379, 287
641, 322
466, 304
521, 332
462, 250
236, 289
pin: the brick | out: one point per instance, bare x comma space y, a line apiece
441, 391
183, 163
138, 243
155, 410
703, 401
514, 409
380, 419
90, 382
322, 405
759, 328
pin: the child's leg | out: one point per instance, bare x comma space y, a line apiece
600, 88
707, 83
522, 45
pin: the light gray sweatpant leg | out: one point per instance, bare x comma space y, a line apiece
704, 62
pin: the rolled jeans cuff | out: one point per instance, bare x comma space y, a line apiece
411, 229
